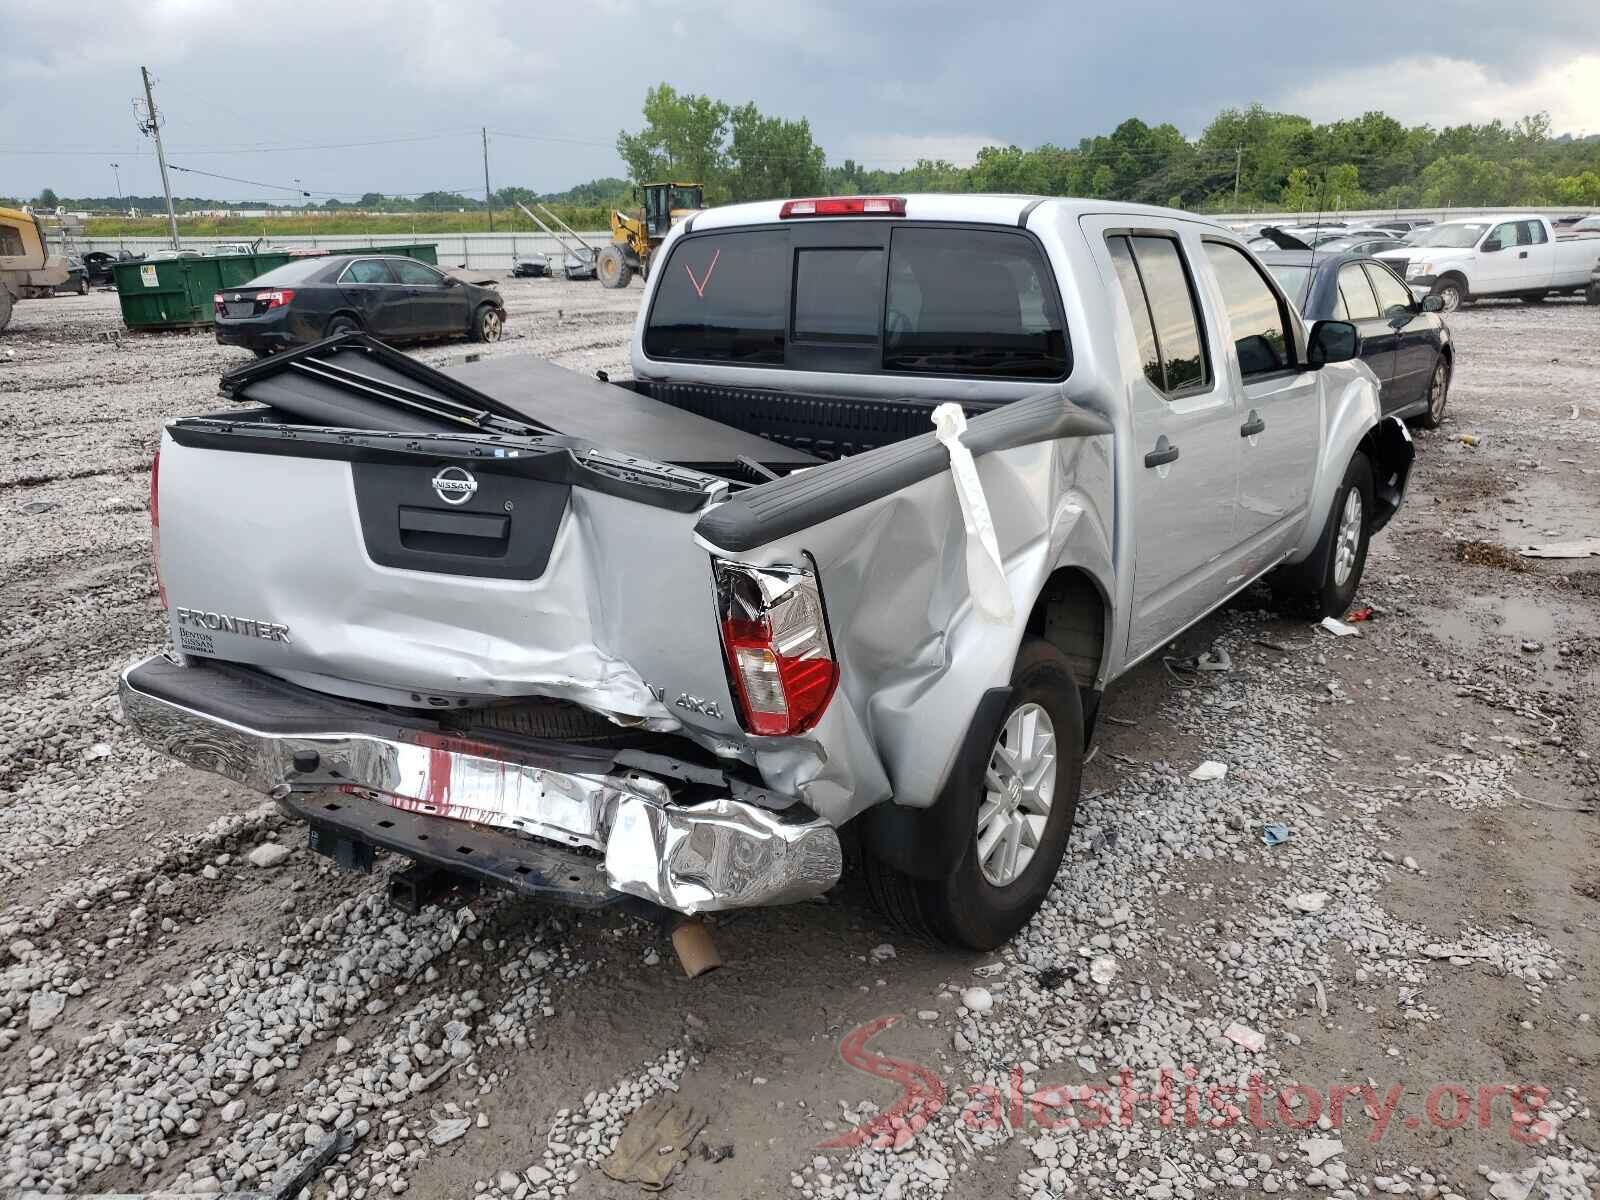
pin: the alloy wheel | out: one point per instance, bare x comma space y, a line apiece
1019, 786
1349, 542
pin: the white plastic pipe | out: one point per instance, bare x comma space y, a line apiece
986, 575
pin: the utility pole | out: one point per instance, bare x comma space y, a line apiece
1238, 165
488, 196
151, 125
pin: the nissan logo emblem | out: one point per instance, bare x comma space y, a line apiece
454, 485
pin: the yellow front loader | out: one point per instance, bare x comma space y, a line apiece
635, 235
27, 268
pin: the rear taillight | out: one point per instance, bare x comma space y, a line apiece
276, 297
775, 638
218, 303
155, 524
845, 206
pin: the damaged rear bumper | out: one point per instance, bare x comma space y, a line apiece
564, 828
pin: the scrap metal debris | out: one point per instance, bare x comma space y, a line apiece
655, 1143
1242, 1035
1209, 770
1275, 833
1586, 548
1214, 659
1338, 628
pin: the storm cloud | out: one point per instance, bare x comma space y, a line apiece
246, 88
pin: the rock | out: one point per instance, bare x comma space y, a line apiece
1320, 1150
882, 953
43, 1009
268, 854
1244, 1036
977, 1000
1209, 771
449, 1130
1103, 969
233, 1110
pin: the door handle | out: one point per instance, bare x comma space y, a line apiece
1252, 426
1522, 254
1163, 454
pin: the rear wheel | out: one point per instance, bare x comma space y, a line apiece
83, 286
487, 324
1438, 396
342, 325
1592, 296
1532, 297
612, 267
1018, 823
1452, 292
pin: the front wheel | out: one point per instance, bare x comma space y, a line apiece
1330, 576
1451, 292
488, 324
83, 287
1438, 396
1017, 824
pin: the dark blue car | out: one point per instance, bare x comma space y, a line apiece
1404, 340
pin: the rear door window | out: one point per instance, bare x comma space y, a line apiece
1174, 312
367, 270
971, 302
723, 298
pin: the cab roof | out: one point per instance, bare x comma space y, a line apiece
979, 207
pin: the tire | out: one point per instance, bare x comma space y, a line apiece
1328, 579
342, 325
1592, 296
1532, 297
612, 267
5, 307
1453, 292
1438, 395
83, 287
976, 907
488, 323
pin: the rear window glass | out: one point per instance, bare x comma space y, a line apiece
296, 271
971, 302
724, 298
934, 300
838, 295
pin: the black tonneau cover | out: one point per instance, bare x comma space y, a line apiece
353, 382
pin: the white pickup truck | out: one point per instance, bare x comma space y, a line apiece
1517, 255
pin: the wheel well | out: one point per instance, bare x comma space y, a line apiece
1458, 277
1390, 451
348, 315
1071, 614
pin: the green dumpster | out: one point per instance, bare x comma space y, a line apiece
175, 293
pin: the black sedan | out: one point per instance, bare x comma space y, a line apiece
387, 296
76, 282
1403, 339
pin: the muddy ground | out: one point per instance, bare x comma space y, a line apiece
172, 1016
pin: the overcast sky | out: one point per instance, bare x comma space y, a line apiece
245, 88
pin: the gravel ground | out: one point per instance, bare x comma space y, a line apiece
189, 998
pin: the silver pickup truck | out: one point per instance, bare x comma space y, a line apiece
899, 487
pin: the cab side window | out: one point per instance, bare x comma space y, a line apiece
1532, 233
1160, 296
1260, 320
1505, 234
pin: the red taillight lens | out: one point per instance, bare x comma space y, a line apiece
775, 637
155, 524
218, 303
845, 206
277, 297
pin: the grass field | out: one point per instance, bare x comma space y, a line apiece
297, 225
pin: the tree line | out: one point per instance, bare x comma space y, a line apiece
1248, 159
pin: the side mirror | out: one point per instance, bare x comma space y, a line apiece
1331, 342
1491, 246
1432, 304
451, 281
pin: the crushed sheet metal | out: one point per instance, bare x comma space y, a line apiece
719, 854
986, 573
1586, 548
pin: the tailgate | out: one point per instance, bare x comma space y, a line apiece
468, 561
